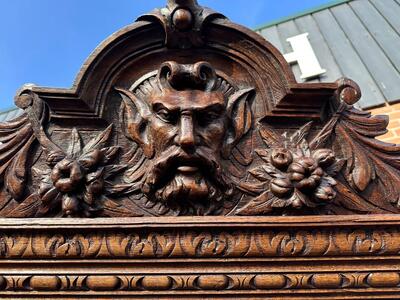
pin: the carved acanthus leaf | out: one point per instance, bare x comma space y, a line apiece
372, 167
16, 141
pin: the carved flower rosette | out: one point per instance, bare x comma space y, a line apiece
78, 179
292, 174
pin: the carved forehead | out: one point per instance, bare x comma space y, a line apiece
189, 99
184, 85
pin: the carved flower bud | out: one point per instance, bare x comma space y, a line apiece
318, 172
296, 203
296, 176
308, 163
281, 158
281, 187
325, 193
309, 183
297, 171
70, 205
324, 157
67, 175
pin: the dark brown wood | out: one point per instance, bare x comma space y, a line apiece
181, 116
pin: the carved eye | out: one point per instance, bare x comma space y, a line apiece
166, 116
206, 118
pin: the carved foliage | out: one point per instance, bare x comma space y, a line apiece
193, 146
202, 244
372, 167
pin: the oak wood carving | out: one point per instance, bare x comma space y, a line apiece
186, 139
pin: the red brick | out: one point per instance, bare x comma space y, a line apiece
382, 110
393, 124
388, 135
394, 115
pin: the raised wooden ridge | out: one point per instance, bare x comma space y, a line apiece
204, 221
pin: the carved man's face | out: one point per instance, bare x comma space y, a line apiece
185, 134
188, 120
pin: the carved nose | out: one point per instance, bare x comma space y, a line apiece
186, 137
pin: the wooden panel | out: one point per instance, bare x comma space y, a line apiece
390, 10
197, 258
271, 35
287, 30
387, 38
322, 51
380, 67
348, 59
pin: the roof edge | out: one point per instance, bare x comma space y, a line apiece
301, 14
7, 110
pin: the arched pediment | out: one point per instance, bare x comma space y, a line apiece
186, 113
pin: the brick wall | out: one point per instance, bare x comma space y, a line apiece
393, 111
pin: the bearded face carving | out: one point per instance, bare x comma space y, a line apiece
187, 120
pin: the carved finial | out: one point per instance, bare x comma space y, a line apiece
183, 21
186, 3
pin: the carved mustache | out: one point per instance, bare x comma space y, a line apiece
165, 166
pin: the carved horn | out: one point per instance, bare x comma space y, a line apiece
205, 74
178, 76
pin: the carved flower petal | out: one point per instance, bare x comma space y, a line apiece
100, 141
91, 159
259, 205
70, 205
263, 154
54, 157
260, 174
109, 153
75, 145
280, 203
274, 172
88, 198
325, 193
335, 167
44, 188
95, 175
50, 195
328, 180
112, 170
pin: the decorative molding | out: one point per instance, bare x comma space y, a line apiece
272, 256
196, 240
186, 161
195, 282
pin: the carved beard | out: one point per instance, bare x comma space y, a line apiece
199, 193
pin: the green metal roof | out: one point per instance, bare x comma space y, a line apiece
302, 13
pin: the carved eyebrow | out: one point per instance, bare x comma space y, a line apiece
158, 106
216, 107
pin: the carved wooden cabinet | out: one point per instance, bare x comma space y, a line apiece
187, 162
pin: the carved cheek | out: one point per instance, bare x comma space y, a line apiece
213, 134
163, 134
